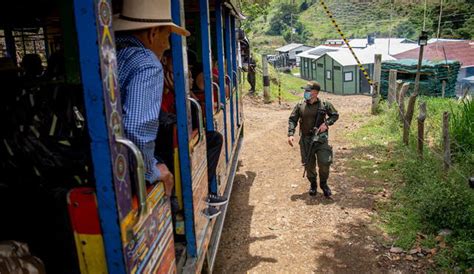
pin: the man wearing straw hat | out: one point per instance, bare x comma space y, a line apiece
143, 30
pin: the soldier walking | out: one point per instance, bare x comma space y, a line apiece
251, 75
314, 116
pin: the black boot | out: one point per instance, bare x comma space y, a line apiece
313, 187
326, 190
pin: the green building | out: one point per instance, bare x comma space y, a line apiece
337, 71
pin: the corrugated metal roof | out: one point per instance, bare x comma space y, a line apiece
366, 56
434, 40
389, 46
462, 51
316, 52
289, 47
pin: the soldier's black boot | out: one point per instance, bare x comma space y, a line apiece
326, 190
313, 187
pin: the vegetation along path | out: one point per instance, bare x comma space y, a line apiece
274, 226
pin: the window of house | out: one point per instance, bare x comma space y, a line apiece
337, 68
348, 76
305, 64
328, 74
320, 65
313, 65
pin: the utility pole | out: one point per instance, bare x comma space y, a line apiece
439, 19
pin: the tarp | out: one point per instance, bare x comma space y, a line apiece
433, 73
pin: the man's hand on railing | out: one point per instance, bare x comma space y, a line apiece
167, 178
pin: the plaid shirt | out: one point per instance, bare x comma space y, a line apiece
140, 77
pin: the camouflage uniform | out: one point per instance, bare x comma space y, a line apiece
306, 114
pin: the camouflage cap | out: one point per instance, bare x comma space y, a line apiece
312, 85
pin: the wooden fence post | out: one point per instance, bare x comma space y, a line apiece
376, 88
446, 141
409, 116
266, 80
399, 88
401, 101
392, 87
421, 129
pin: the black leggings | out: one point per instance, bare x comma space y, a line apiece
214, 141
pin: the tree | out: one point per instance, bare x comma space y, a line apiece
284, 17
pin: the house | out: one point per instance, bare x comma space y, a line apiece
307, 57
447, 49
287, 54
339, 73
336, 69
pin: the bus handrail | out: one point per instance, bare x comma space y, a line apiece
228, 78
235, 74
200, 118
140, 182
219, 103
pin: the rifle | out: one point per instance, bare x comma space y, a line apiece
315, 136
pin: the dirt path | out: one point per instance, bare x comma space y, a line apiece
274, 226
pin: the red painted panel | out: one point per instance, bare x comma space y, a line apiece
82, 206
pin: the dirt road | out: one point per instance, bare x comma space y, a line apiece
274, 226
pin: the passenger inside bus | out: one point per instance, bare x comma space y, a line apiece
32, 67
214, 140
140, 45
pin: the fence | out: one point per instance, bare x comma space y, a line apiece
397, 97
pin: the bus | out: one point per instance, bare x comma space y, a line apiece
72, 186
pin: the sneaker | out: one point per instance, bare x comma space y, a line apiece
211, 212
216, 200
313, 191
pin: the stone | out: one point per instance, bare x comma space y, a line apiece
396, 250
414, 251
445, 232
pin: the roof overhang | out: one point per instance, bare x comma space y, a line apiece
234, 7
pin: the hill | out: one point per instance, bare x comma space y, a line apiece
270, 22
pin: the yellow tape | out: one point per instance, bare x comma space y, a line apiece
331, 17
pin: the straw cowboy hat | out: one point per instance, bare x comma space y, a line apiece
143, 14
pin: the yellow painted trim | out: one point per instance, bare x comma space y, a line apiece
177, 179
91, 253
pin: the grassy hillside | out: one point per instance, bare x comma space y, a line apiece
382, 18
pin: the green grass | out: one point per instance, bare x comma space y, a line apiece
425, 199
290, 85
295, 70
